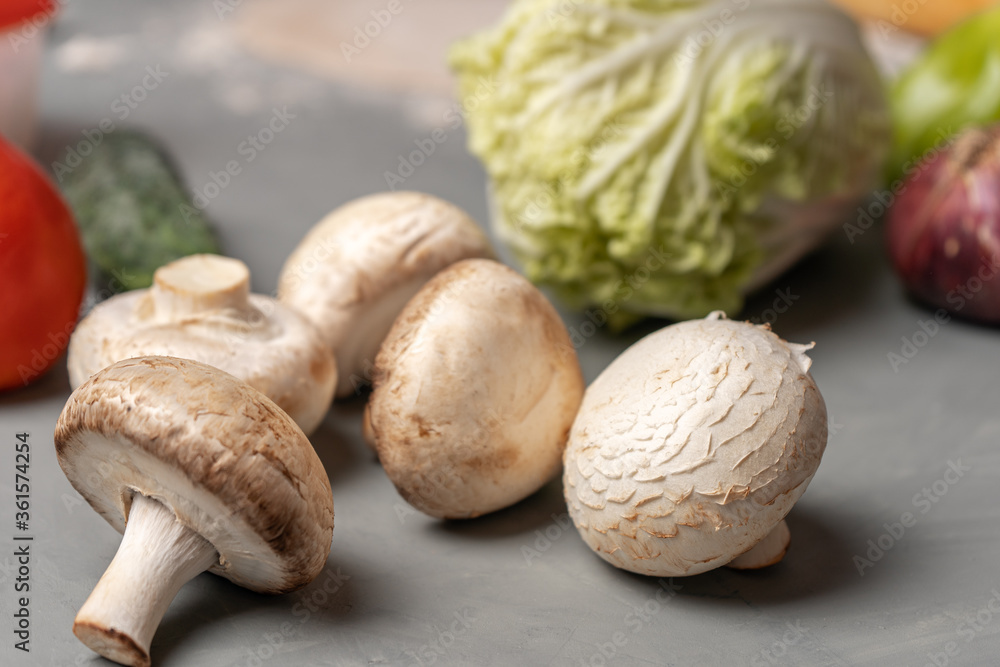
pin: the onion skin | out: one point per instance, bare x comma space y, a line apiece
943, 231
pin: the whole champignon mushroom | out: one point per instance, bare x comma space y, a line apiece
200, 308
356, 269
476, 387
200, 472
692, 446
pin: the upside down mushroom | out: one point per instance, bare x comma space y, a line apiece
200, 307
692, 446
200, 472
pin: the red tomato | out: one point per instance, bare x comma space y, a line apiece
43, 271
13, 12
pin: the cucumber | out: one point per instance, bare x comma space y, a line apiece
132, 210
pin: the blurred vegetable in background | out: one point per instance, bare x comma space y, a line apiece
925, 17
132, 209
668, 158
22, 32
954, 85
14, 12
42, 270
944, 229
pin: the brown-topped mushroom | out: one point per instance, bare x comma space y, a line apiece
199, 471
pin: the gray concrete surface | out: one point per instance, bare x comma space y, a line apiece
520, 587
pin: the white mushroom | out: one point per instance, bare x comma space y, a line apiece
357, 268
692, 446
200, 472
476, 387
200, 308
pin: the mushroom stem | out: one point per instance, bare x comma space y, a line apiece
199, 284
768, 551
158, 555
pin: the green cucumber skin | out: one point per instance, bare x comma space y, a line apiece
133, 213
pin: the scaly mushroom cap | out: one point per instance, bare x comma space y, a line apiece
692, 446
200, 308
218, 453
476, 387
356, 269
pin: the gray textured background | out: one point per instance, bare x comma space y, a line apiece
399, 578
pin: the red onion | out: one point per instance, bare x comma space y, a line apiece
944, 228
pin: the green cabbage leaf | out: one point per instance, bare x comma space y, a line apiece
665, 157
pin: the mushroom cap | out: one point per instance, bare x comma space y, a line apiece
692, 446
221, 455
261, 341
475, 390
356, 269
